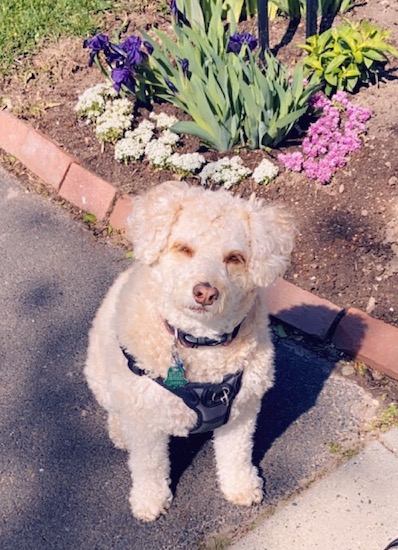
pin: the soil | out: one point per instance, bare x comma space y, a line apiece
347, 250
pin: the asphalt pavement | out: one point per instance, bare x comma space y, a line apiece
62, 484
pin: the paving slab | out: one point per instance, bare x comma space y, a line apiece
62, 484
354, 508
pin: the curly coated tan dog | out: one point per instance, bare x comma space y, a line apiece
181, 342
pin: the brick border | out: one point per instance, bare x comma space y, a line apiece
353, 331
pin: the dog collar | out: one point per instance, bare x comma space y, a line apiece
189, 341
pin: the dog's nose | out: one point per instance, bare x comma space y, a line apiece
205, 294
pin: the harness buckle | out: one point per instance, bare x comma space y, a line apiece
223, 398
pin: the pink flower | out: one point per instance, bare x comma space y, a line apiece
341, 97
319, 101
310, 167
330, 139
293, 161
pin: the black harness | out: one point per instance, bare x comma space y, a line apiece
211, 402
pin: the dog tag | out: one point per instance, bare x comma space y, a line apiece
176, 374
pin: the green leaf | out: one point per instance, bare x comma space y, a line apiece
291, 118
335, 64
191, 128
313, 63
374, 55
193, 12
331, 79
353, 72
235, 6
351, 84
215, 95
89, 218
368, 62
298, 81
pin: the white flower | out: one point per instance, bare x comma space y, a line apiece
144, 132
91, 103
186, 163
157, 153
168, 137
226, 171
115, 120
265, 171
122, 106
163, 121
129, 148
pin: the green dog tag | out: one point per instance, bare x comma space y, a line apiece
176, 375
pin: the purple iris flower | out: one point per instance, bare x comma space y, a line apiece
122, 58
123, 76
179, 17
132, 47
184, 66
128, 52
173, 8
98, 43
148, 46
237, 40
171, 86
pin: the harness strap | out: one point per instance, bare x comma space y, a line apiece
211, 402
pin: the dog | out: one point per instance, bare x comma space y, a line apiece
181, 342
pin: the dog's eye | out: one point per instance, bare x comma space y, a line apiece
235, 258
184, 249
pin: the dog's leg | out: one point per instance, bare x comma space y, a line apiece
115, 431
149, 464
238, 477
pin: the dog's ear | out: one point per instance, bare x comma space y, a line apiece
151, 219
272, 232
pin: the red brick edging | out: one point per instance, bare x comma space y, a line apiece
353, 331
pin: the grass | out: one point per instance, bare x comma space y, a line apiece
338, 449
388, 418
162, 6
24, 24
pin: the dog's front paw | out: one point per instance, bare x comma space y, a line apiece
148, 505
244, 490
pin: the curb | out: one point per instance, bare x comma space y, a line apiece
369, 340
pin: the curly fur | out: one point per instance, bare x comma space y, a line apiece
184, 236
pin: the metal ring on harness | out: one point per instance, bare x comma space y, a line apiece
224, 399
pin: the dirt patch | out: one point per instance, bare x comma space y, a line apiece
347, 250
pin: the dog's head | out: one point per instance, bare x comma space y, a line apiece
209, 251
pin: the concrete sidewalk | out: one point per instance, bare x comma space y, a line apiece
354, 508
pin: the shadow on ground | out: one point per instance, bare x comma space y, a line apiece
299, 379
